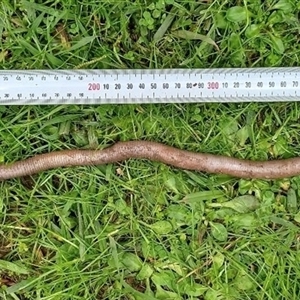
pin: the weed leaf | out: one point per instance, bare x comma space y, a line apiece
12, 267
162, 227
219, 231
241, 204
189, 35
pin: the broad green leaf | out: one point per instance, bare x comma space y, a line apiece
172, 185
162, 227
284, 5
230, 125
219, 231
13, 267
285, 223
121, 207
244, 281
132, 262
162, 294
145, 272
221, 214
252, 31
213, 294
276, 17
236, 14
147, 15
163, 278
220, 21
218, 260
189, 35
194, 289
244, 221
292, 201
297, 217
178, 213
114, 252
277, 44
241, 204
242, 135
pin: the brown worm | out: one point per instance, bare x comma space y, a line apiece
153, 151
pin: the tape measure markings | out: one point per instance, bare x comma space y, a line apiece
149, 86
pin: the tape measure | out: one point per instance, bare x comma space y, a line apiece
149, 86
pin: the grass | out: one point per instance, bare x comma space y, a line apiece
141, 230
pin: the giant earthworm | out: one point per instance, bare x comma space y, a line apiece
153, 151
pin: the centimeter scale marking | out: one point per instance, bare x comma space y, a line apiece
20, 87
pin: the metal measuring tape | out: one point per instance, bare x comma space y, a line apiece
53, 87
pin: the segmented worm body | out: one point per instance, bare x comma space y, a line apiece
154, 151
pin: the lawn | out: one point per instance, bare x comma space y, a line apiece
140, 229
